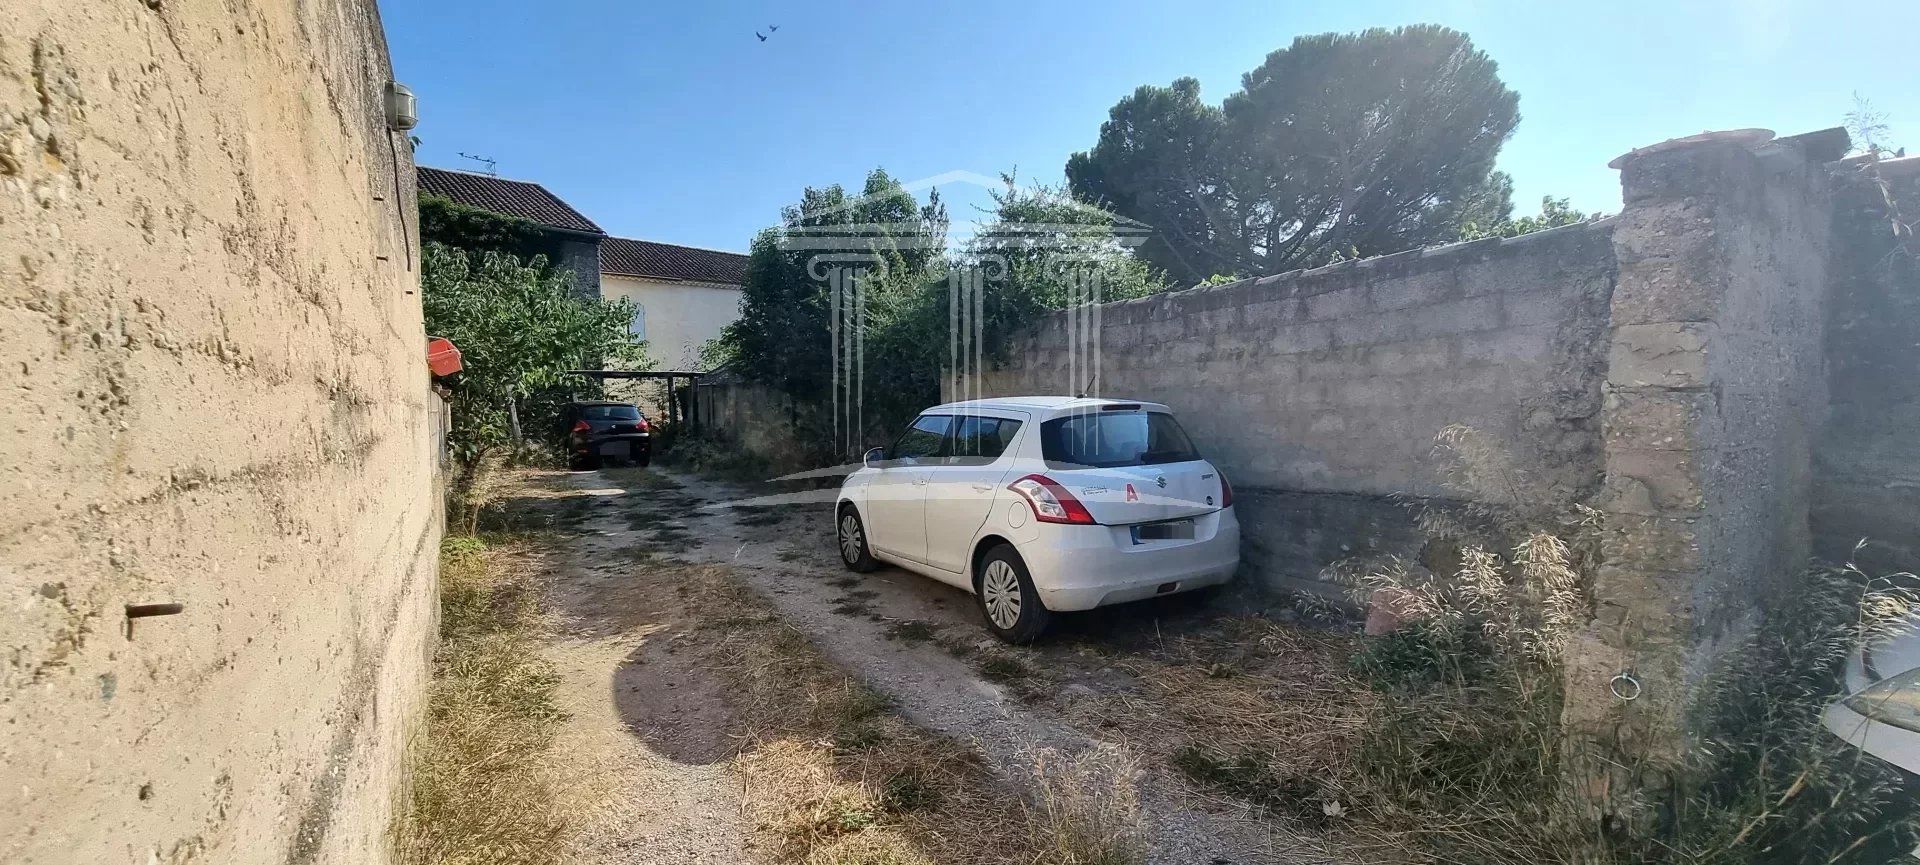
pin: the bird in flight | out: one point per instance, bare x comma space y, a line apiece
757, 33
773, 28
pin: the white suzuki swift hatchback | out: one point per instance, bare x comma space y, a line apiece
1043, 504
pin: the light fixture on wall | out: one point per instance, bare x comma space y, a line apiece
403, 108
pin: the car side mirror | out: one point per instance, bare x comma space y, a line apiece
874, 458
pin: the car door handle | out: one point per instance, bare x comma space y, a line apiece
920, 481
983, 488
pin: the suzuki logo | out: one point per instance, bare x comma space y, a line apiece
1161, 481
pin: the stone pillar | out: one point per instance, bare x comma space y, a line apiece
1713, 388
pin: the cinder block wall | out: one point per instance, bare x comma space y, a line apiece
1320, 392
215, 395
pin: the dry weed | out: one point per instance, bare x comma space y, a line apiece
1086, 808
484, 787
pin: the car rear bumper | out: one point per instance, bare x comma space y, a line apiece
641, 440
1082, 567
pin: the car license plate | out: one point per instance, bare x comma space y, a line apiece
1176, 530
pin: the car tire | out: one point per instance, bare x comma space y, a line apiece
1008, 602
645, 459
851, 534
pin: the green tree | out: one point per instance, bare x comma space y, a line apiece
1040, 248
1055, 248
520, 327
1341, 145
1554, 212
781, 337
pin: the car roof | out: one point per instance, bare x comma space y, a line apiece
594, 402
1044, 404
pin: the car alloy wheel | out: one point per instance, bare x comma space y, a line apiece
1000, 592
852, 542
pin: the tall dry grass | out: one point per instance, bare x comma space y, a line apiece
484, 787
1462, 752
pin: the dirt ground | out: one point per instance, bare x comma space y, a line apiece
655, 723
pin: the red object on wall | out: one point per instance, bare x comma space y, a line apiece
442, 357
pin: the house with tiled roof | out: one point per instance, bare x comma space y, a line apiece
575, 239
683, 296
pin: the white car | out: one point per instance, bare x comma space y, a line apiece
1881, 714
1042, 504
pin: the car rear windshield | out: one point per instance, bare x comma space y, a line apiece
610, 412
1112, 439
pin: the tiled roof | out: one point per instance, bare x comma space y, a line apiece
510, 197
626, 257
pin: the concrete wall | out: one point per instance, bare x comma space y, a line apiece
211, 350
680, 316
1320, 393
1867, 476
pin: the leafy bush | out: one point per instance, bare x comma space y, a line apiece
520, 328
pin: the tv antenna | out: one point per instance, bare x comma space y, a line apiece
489, 163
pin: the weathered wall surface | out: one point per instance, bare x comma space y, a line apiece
215, 396
1867, 460
1321, 392
1715, 390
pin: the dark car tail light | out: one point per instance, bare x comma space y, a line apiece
645, 426
581, 426
1226, 491
1050, 501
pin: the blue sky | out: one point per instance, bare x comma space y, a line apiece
671, 122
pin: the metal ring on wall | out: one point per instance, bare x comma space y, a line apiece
1625, 686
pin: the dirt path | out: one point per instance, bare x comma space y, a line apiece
910, 638
646, 729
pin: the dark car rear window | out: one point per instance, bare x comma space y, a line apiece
610, 412
1111, 439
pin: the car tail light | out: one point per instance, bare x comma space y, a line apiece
644, 426
1050, 501
1226, 491
582, 426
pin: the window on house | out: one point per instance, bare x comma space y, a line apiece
639, 325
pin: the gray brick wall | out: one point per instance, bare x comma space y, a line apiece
1336, 380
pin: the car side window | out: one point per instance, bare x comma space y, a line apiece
922, 442
978, 441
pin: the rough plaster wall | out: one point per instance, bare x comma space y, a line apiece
215, 396
1320, 393
1715, 387
1867, 477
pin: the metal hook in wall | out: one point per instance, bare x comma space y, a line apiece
1625, 686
